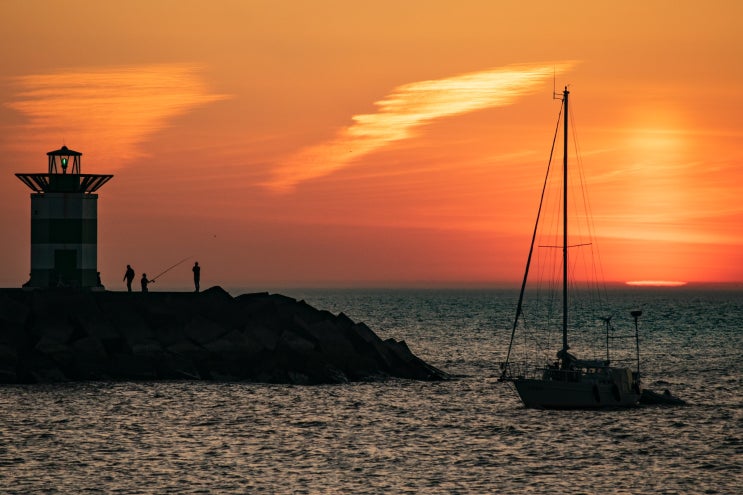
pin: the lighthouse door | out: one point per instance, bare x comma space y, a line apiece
65, 267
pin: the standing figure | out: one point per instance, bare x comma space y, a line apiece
144, 282
129, 277
196, 275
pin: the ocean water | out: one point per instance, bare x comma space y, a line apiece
470, 435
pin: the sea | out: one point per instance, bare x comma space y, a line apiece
468, 435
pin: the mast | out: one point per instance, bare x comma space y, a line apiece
565, 347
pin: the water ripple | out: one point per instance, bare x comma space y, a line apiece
467, 436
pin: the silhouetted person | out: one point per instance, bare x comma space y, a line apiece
196, 275
144, 282
129, 277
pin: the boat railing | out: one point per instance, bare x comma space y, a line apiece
625, 362
513, 370
535, 372
523, 370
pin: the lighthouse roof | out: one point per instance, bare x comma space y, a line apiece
64, 151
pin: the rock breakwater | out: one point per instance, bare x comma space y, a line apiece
57, 336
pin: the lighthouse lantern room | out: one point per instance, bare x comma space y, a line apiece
64, 223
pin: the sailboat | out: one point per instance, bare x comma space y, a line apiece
569, 382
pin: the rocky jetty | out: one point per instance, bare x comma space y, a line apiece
57, 336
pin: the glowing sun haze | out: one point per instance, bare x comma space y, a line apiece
377, 143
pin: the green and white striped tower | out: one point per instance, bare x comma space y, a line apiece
64, 223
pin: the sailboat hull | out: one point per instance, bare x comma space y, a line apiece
555, 394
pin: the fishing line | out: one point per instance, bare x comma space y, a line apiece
170, 268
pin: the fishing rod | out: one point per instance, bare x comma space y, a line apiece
170, 268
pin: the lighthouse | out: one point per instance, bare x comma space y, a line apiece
64, 223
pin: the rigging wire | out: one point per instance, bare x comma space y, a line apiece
531, 248
596, 289
588, 294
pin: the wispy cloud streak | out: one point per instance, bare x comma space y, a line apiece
408, 107
114, 108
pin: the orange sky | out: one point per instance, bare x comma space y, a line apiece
376, 143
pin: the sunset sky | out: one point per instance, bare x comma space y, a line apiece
384, 143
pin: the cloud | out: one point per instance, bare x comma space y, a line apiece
408, 107
114, 109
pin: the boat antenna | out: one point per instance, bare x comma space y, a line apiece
554, 84
607, 324
636, 315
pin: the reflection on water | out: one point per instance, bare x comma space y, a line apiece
468, 436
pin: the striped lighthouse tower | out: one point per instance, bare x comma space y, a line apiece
64, 223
